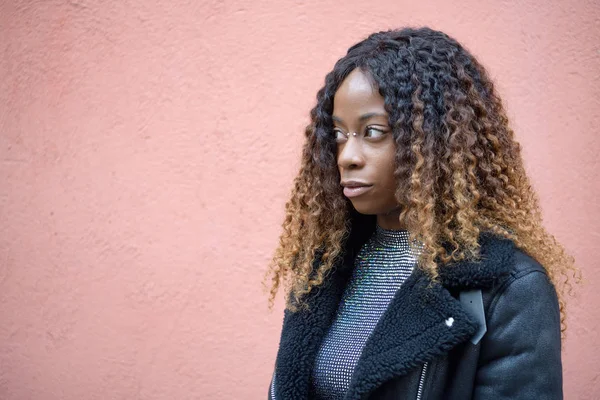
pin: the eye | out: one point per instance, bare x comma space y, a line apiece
339, 135
374, 133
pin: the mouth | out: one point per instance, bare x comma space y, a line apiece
355, 189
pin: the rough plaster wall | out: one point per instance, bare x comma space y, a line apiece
147, 149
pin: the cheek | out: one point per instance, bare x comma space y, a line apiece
387, 167
389, 186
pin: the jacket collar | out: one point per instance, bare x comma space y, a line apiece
423, 321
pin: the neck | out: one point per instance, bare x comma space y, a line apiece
390, 220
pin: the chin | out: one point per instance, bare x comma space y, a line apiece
368, 208
365, 209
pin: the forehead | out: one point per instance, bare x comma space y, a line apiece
357, 94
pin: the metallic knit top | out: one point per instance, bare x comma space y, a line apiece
383, 263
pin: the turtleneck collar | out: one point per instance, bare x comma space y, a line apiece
391, 237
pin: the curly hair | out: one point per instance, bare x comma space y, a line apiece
459, 169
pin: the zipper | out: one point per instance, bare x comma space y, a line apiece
422, 382
273, 387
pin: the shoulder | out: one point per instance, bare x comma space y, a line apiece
523, 270
525, 283
501, 266
523, 264
500, 262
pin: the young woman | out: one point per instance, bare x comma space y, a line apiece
413, 253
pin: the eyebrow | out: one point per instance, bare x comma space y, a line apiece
362, 118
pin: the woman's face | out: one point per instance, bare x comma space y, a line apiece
366, 161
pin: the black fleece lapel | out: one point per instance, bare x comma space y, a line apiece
424, 321
301, 336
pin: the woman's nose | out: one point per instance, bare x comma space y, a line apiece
350, 153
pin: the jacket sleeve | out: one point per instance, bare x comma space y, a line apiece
521, 353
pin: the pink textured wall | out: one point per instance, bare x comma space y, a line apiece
147, 149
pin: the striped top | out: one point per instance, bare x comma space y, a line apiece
381, 266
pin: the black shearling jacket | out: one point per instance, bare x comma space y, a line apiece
423, 347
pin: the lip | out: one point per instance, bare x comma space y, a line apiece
355, 188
